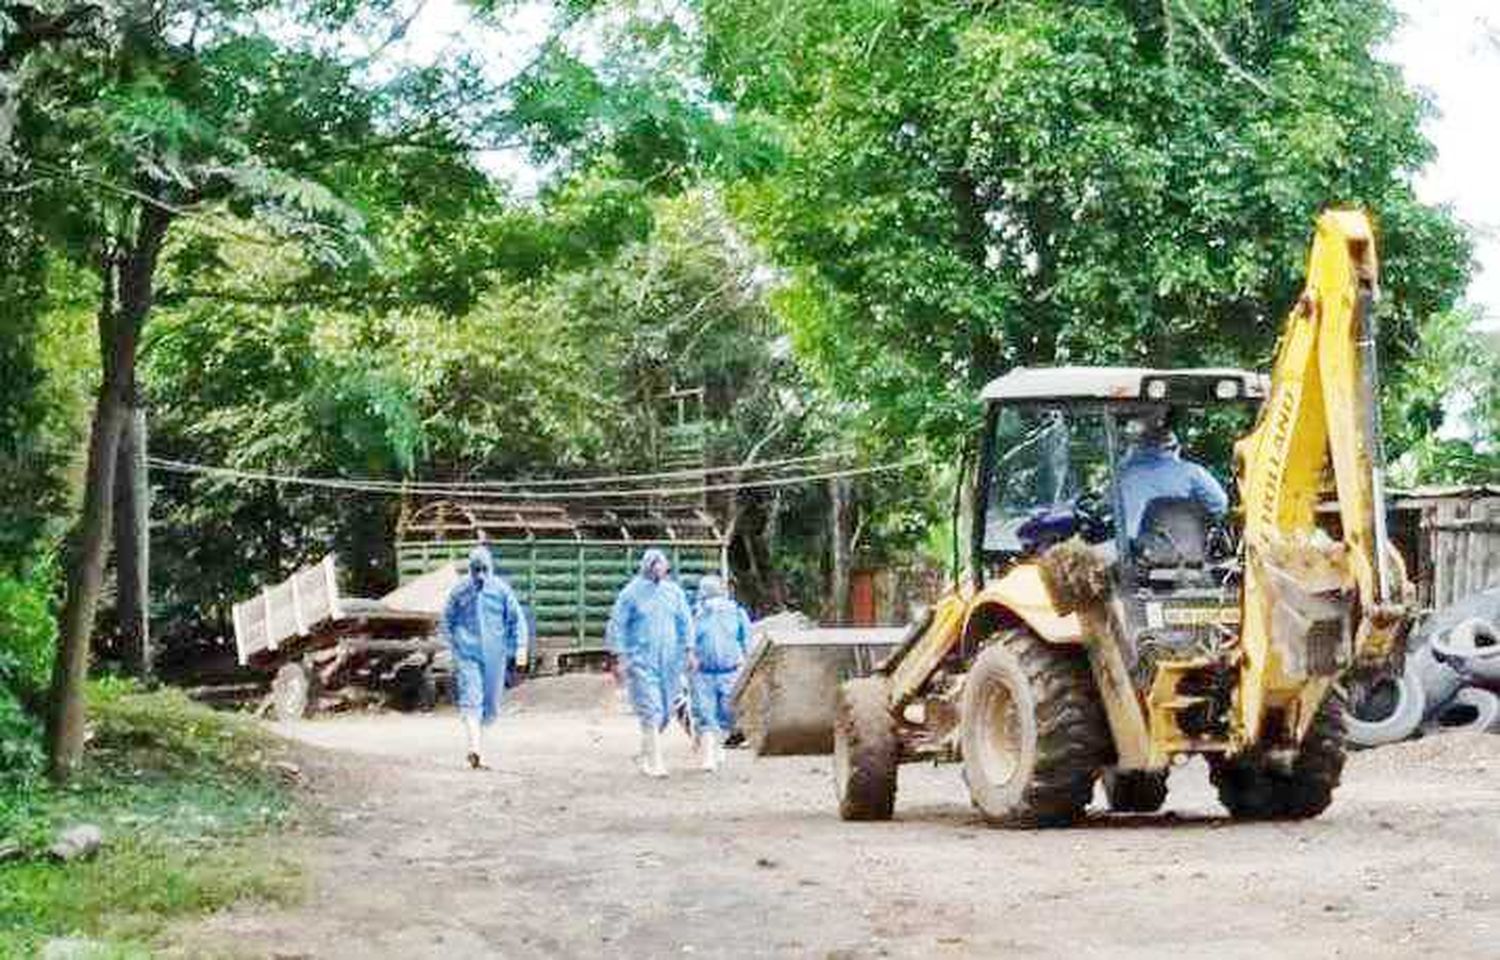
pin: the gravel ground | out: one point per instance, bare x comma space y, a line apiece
563, 850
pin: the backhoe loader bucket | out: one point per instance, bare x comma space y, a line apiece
784, 697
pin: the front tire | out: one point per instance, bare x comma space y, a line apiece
1034, 735
1251, 790
866, 750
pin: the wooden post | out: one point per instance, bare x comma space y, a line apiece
132, 542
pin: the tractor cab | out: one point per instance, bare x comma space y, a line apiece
1137, 462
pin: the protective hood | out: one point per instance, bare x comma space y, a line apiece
481, 557
710, 587
648, 560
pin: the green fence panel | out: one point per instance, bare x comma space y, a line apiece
569, 586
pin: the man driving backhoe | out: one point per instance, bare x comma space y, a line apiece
1153, 470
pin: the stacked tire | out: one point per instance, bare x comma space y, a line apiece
1450, 683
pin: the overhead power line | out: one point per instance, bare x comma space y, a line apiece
492, 486
471, 492
758, 467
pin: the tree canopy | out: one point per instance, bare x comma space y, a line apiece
971, 187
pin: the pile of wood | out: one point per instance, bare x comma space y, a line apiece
326, 650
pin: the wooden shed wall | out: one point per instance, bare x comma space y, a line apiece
1462, 548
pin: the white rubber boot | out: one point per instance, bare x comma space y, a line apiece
719, 749
642, 756
653, 765
473, 732
711, 750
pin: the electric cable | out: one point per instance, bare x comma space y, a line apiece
471, 492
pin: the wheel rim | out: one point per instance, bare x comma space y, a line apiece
1000, 734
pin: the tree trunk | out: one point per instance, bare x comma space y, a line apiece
85, 574
766, 543
840, 492
734, 495
132, 541
128, 279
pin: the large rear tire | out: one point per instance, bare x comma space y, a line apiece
1135, 791
1034, 736
1252, 790
866, 751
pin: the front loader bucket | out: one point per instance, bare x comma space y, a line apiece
784, 697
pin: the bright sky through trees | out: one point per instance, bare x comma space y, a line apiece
1452, 50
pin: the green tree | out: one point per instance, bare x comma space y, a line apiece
153, 117
972, 187
689, 308
1446, 415
447, 353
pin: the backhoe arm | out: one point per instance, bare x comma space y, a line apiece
1323, 410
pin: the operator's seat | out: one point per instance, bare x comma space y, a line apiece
1173, 536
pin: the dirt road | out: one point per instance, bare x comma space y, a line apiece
564, 851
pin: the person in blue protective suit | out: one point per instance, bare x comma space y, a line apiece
1153, 469
721, 640
484, 624
649, 632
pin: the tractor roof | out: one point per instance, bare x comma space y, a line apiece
1197, 385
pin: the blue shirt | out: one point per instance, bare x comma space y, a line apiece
1151, 473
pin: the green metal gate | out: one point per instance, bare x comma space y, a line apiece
569, 586
568, 582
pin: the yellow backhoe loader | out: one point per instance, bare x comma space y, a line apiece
1097, 635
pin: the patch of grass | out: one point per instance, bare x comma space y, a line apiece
184, 797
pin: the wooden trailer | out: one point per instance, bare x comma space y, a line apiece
317, 643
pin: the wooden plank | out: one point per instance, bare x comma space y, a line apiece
1492, 545
1482, 544
1443, 585
1426, 569
1471, 525
1456, 577
330, 579
265, 599
1465, 574
297, 608
363, 645
239, 635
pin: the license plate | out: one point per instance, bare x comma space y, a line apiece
1199, 616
